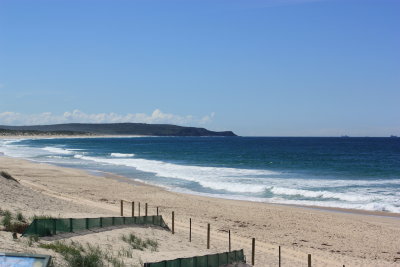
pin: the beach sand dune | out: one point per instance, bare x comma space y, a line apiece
333, 238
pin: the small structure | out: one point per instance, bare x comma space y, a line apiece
25, 260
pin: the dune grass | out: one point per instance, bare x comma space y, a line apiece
13, 224
43, 217
76, 255
140, 244
7, 176
7, 218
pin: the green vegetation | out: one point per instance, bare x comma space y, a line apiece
19, 132
8, 176
43, 217
113, 129
32, 239
125, 253
10, 225
7, 217
20, 217
115, 262
140, 244
17, 227
76, 255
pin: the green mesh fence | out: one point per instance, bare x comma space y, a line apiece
212, 260
49, 227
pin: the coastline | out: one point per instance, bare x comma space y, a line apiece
332, 236
306, 206
16, 137
132, 181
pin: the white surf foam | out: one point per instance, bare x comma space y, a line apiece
322, 194
238, 183
243, 180
212, 177
121, 155
58, 150
373, 206
12, 148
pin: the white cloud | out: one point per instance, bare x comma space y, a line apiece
77, 116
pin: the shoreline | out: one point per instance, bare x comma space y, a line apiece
333, 238
22, 137
133, 181
121, 178
314, 207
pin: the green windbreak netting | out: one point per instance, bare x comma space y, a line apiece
212, 260
94, 223
118, 221
63, 226
48, 227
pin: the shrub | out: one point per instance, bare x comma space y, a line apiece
42, 217
140, 244
32, 239
115, 262
61, 248
75, 256
20, 217
153, 244
7, 217
17, 227
8, 176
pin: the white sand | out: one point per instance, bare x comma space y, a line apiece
333, 238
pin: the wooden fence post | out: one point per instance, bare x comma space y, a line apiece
309, 260
133, 208
173, 222
145, 209
253, 250
157, 211
229, 236
190, 229
208, 236
279, 256
139, 208
122, 208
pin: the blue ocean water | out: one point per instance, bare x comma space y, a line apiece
358, 173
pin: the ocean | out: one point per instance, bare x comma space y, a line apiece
355, 173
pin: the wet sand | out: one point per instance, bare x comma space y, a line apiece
333, 236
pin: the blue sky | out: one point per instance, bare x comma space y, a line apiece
257, 67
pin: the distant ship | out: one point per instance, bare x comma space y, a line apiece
393, 136
344, 136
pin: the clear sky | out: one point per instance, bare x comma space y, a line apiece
257, 67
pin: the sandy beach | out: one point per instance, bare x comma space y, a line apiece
333, 237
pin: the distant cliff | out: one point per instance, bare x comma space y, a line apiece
112, 129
